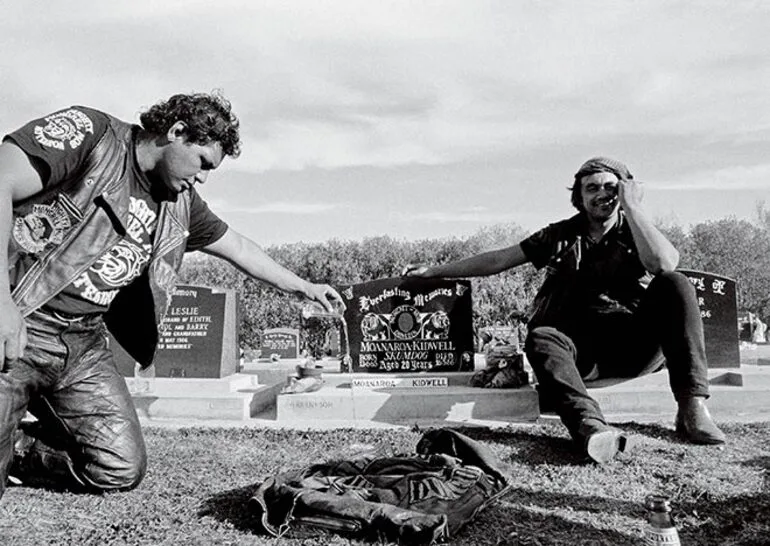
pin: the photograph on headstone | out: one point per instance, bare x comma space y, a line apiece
717, 300
409, 325
198, 336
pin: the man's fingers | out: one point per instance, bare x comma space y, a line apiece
22, 340
410, 269
12, 349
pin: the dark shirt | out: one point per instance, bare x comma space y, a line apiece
59, 146
584, 276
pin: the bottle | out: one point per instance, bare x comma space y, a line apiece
660, 529
144, 379
314, 309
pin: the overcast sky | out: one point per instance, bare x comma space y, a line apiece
423, 118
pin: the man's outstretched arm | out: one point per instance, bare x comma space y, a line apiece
250, 258
480, 265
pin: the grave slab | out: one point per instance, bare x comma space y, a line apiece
651, 394
236, 397
339, 400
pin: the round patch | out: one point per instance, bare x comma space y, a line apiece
69, 126
438, 325
44, 226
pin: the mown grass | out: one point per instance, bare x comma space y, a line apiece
199, 481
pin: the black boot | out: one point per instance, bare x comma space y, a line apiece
694, 423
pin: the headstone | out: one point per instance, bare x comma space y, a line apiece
281, 341
719, 311
198, 337
409, 325
744, 326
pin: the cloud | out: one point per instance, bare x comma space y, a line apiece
452, 101
275, 207
473, 215
756, 177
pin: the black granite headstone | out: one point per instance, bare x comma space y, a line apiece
281, 341
198, 337
409, 325
719, 310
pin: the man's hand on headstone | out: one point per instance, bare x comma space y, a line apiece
328, 297
13, 332
414, 270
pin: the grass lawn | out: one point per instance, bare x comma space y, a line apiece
199, 481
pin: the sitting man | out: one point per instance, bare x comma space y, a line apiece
611, 306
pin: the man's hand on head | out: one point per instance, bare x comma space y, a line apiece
630, 193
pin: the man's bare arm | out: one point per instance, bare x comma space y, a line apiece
480, 265
18, 180
250, 258
656, 253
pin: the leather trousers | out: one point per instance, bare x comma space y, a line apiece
87, 435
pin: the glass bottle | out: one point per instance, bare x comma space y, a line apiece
660, 527
314, 309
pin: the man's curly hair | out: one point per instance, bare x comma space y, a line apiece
208, 117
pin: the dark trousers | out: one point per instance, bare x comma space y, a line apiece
87, 436
665, 329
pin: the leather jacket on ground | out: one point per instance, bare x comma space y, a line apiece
415, 499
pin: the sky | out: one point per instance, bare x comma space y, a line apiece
423, 119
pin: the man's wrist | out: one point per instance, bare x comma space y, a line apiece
633, 210
305, 289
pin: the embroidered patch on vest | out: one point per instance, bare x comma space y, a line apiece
44, 226
68, 127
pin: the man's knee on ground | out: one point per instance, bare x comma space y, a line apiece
115, 473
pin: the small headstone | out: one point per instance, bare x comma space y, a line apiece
719, 310
409, 325
281, 341
198, 337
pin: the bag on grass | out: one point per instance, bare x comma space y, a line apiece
504, 369
416, 499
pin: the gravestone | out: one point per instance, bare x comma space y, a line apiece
409, 325
198, 336
281, 341
719, 311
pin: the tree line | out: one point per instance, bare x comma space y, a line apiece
735, 248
